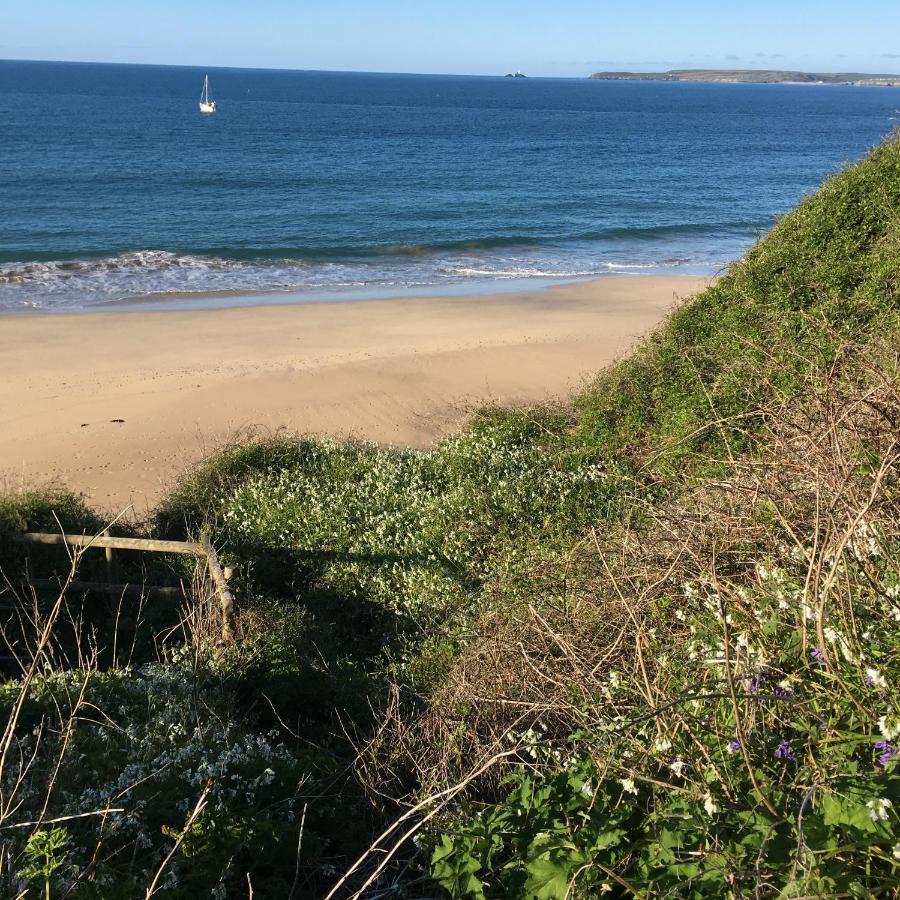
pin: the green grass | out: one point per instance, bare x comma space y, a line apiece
827, 274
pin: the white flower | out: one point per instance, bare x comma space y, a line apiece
677, 766
661, 745
833, 637
878, 809
896, 851
628, 786
890, 728
710, 805
875, 678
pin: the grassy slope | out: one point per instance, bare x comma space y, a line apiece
358, 566
826, 274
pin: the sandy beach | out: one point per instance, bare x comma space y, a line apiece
116, 405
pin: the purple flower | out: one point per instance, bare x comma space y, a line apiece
734, 745
784, 752
889, 751
784, 693
817, 655
755, 682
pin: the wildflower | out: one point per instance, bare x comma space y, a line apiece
755, 682
878, 809
834, 637
889, 751
734, 746
677, 766
896, 852
628, 786
784, 752
890, 728
661, 745
817, 655
710, 805
784, 690
874, 678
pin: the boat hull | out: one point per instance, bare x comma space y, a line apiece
208, 107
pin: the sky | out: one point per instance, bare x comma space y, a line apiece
565, 38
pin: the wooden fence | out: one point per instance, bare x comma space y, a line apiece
201, 549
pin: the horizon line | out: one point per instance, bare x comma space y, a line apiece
98, 62
103, 62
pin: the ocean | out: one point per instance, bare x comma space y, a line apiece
114, 188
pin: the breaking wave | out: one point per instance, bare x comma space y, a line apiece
91, 282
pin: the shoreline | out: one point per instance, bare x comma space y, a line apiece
116, 405
242, 298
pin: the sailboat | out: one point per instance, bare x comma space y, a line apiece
206, 105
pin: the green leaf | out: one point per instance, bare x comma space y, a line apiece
455, 868
547, 879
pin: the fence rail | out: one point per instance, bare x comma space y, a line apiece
112, 543
104, 587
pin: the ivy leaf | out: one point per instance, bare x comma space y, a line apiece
551, 864
609, 838
547, 879
455, 868
849, 810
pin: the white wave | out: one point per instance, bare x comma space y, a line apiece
139, 261
517, 273
74, 284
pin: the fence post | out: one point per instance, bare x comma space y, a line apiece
110, 560
226, 598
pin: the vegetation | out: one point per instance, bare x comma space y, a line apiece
643, 645
750, 76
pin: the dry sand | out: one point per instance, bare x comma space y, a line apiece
403, 372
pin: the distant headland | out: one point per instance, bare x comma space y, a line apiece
753, 76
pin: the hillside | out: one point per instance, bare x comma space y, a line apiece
642, 644
752, 76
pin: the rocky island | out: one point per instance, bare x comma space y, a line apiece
753, 76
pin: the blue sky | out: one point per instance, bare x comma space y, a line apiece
569, 37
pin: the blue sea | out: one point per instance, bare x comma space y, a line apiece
315, 185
